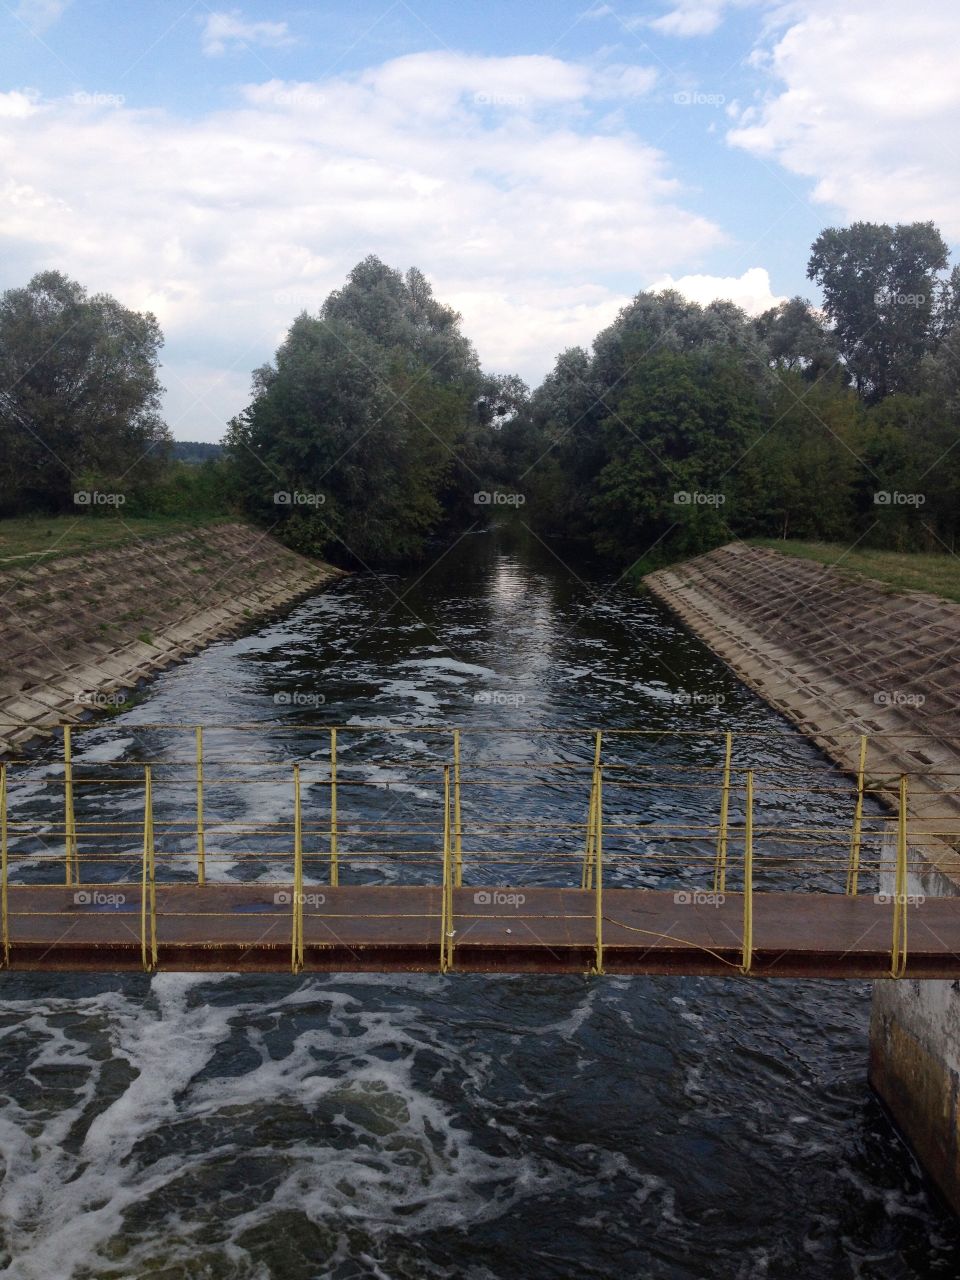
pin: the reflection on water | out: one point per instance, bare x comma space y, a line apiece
470, 1126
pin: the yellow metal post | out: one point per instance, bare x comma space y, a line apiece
201, 844
446, 892
747, 957
598, 869
69, 819
898, 964
3, 865
589, 852
296, 960
720, 865
853, 871
334, 852
457, 827
148, 886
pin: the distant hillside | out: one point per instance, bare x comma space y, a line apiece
195, 450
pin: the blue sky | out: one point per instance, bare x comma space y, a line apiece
541, 162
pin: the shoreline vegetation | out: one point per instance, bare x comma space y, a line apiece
374, 429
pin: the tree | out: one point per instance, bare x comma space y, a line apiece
881, 289
795, 341
355, 430
79, 395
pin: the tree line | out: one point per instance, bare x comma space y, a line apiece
374, 426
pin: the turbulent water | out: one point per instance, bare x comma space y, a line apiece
522, 1128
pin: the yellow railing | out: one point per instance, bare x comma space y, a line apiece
476, 817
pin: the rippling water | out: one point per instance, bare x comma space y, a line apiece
519, 1128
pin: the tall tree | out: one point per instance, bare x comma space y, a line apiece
881, 289
79, 393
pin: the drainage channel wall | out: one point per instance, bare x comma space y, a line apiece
842, 656
78, 633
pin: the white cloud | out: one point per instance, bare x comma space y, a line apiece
866, 103
485, 172
224, 32
691, 18
751, 291
40, 15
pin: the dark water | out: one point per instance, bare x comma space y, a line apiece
520, 1128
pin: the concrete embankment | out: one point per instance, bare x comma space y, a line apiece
841, 657
80, 631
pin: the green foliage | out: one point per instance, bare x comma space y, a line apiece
841, 427
356, 428
79, 396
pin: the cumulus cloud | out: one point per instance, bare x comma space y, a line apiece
867, 104
751, 291
485, 172
224, 32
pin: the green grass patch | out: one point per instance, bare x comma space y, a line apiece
37, 539
938, 574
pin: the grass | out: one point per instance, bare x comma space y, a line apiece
938, 573
37, 539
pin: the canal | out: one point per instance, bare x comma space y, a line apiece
519, 1128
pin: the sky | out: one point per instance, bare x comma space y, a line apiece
540, 161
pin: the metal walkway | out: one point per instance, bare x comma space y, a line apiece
437, 850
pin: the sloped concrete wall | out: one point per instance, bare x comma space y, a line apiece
78, 632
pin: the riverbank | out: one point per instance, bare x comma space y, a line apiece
79, 631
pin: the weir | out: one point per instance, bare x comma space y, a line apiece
718, 860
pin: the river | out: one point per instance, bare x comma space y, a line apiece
517, 1128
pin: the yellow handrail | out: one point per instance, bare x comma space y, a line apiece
334, 852
898, 964
747, 956
720, 866
589, 852
598, 855
201, 844
853, 873
296, 959
69, 818
148, 886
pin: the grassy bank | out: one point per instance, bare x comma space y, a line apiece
36, 539
901, 571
